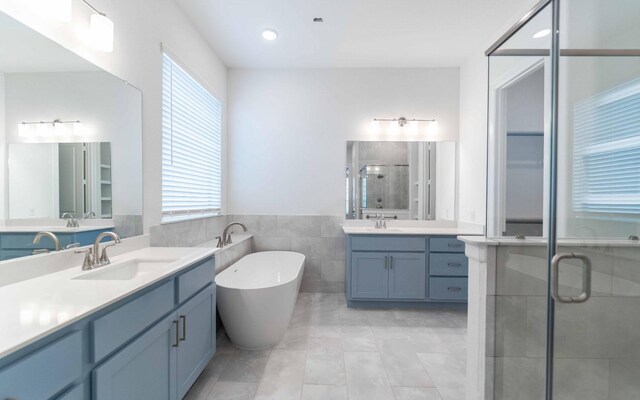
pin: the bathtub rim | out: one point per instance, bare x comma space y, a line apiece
295, 278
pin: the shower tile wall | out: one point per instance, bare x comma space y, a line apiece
319, 238
596, 343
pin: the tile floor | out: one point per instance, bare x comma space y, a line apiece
331, 352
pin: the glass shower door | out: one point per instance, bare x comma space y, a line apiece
594, 314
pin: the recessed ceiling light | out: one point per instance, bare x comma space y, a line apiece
542, 33
269, 34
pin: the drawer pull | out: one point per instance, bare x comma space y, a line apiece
455, 245
177, 343
184, 327
454, 288
391, 262
454, 265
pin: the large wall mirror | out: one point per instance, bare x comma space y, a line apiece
70, 144
402, 180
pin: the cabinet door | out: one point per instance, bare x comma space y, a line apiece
407, 276
369, 275
197, 337
145, 369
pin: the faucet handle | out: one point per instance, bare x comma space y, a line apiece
88, 262
72, 245
220, 244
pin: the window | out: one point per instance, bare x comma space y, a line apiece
191, 146
606, 170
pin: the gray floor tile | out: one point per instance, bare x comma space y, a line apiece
233, 391
246, 366
448, 372
325, 362
283, 376
366, 377
416, 393
402, 364
324, 392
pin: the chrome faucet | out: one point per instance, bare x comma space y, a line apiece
226, 235
90, 215
381, 222
91, 258
51, 235
71, 221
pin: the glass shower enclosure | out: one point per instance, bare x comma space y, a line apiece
564, 178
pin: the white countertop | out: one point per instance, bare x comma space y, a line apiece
34, 308
54, 228
511, 241
450, 228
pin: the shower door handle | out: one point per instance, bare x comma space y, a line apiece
586, 278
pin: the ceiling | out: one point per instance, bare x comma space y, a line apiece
25, 50
354, 34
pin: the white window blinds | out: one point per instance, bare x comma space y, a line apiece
606, 170
191, 146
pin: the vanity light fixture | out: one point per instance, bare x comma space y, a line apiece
101, 30
269, 34
542, 33
414, 126
56, 127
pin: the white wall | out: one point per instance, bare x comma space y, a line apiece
140, 27
33, 195
289, 128
108, 109
446, 181
472, 144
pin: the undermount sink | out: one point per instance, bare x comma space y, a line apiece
125, 270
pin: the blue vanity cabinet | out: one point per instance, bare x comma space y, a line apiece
145, 369
20, 244
407, 276
197, 340
369, 275
152, 344
399, 270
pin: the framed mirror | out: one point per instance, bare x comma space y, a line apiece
70, 145
402, 180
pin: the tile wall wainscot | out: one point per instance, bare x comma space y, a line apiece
188, 233
128, 225
318, 237
596, 352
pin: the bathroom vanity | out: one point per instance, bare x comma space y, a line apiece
18, 241
407, 266
142, 327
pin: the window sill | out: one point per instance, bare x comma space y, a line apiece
166, 220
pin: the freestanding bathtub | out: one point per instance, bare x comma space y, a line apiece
256, 296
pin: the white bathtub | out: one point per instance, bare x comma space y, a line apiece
256, 297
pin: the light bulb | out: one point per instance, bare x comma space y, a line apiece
542, 33
52, 10
102, 33
393, 127
25, 130
269, 34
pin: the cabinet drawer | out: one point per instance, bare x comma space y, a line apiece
194, 280
448, 288
447, 245
116, 328
45, 372
388, 243
448, 264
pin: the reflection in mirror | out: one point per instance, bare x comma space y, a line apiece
70, 146
402, 180
49, 180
